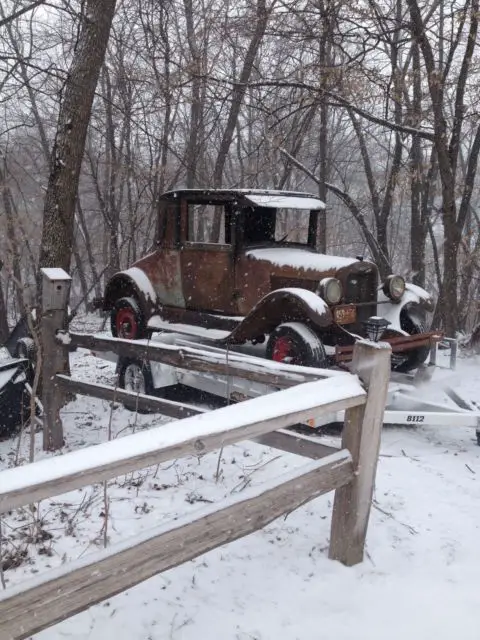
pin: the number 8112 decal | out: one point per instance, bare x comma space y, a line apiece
415, 418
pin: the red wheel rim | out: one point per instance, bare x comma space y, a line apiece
126, 324
282, 348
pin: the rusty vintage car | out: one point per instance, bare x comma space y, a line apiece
262, 279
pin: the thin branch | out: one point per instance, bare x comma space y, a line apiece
338, 101
20, 12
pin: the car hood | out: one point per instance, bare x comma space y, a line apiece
301, 260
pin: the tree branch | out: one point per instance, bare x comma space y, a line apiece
20, 12
375, 248
340, 100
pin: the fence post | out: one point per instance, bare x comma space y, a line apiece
55, 292
361, 436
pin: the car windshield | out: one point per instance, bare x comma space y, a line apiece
266, 225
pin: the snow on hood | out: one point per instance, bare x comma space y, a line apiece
300, 259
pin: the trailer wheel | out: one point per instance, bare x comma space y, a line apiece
412, 324
135, 376
295, 343
25, 348
127, 320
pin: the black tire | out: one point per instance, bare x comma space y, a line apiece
295, 343
413, 324
127, 320
25, 348
135, 376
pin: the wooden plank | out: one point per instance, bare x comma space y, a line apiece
52, 357
191, 436
296, 443
190, 359
399, 344
361, 436
131, 400
53, 360
283, 440
27, 609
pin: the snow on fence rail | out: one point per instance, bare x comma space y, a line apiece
63, 592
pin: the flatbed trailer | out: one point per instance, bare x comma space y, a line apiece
410, 398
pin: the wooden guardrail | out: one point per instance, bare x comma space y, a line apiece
65, 591
34, 606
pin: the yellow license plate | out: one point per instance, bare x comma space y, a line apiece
346, 314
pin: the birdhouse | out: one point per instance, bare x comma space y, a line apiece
55, 289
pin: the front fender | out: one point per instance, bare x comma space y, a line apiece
282, 305
414, 296
131, 281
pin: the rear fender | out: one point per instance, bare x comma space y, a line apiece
282, 305
414, 297
134, 282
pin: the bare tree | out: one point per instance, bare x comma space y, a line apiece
69, 144
448, 138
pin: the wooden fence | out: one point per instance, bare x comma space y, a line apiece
350, 471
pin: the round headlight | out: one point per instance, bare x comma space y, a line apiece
394, 287
330, 290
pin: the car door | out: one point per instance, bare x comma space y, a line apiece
208, 268
163, 265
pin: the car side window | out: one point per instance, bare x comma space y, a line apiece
167, 233
259, 225
201, 224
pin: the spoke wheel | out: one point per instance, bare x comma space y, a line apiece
295, 343
134, 379
283, 350
127, 320
135, 376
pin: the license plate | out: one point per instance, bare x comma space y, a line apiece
346, 314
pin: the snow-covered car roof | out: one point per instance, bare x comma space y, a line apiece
280, 201
246, 197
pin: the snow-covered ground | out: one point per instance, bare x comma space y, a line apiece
419, 579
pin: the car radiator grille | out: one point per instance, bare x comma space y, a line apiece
361, 288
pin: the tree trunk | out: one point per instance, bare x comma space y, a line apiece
4, 330
13, 245
417, 235
69, 144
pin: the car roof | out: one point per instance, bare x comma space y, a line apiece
248, 197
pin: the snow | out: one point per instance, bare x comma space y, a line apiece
419, 579
143, 283
311, 299
157, 322
54, 273
276, 201
63, 337
299, 259
7, 374
335, 459
419, 292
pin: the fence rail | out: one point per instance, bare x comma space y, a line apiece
192, 359
191, 436
61, 593
74, 588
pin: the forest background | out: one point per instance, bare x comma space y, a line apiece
104, 105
